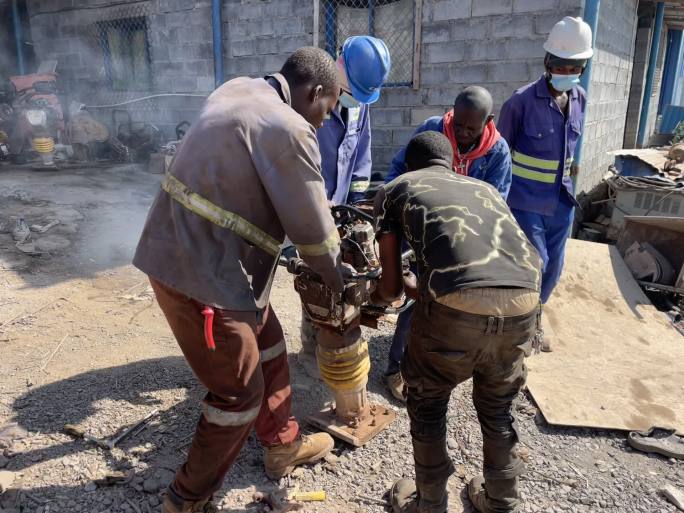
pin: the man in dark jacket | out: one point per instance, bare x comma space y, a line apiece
478, 151
477, 306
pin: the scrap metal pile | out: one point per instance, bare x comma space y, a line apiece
37, 129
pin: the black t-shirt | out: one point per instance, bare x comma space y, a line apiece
461, 230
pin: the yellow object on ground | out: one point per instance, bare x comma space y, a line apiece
315, 496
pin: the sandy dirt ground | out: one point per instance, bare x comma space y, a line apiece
82, 342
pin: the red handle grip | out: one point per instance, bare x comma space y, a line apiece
208, 313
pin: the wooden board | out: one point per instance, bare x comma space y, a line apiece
617, 362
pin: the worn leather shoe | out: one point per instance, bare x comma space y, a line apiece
280, 460
174, 504
395, 384
404, 497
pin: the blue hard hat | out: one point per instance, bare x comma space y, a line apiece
367, 64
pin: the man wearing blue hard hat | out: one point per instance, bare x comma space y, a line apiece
345, 140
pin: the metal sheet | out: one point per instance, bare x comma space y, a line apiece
616, 359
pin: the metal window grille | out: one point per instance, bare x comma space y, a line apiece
116, 47
126, 53
393, 21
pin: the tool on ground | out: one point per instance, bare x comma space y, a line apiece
342, 355
107, 443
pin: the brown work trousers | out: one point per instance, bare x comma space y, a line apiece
447, 347
248, 384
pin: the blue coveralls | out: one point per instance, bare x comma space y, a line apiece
494, 168
345, 144
542, 141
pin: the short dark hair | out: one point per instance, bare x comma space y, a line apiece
477, 98
311, 65
428, 149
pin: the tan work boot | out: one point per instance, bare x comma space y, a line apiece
280, 460
404, 497
174, 504
395, 384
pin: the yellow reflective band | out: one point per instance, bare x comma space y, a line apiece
360, 186
220, 217
319, 249
533, 175
526, 160
229, 418
272, 352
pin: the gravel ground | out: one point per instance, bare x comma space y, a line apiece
83, 343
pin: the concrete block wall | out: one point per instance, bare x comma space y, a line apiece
179, 37
259, 35
608, 94
646, 20
494, 43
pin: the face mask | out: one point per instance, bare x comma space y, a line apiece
564, 82
347, 101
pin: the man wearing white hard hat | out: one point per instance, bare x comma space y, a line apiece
541, 123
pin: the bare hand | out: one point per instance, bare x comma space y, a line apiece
574, 170
410, 285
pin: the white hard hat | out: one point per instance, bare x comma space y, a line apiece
570, 38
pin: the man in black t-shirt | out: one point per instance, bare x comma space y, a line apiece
476, 313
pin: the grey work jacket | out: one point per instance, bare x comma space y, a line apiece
252, 159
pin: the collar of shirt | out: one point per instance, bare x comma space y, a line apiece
542, 89
278, 82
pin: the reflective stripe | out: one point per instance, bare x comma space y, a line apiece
320, 249
360, 186
537, 176
229, 418
521, 158
215, 214
272, 352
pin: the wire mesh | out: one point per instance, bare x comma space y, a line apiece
119, 50
389, 20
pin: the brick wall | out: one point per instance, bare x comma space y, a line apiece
179, 37
609, 89
494, 43
259, 35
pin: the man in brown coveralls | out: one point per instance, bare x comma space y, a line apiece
476, 312
246, 174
